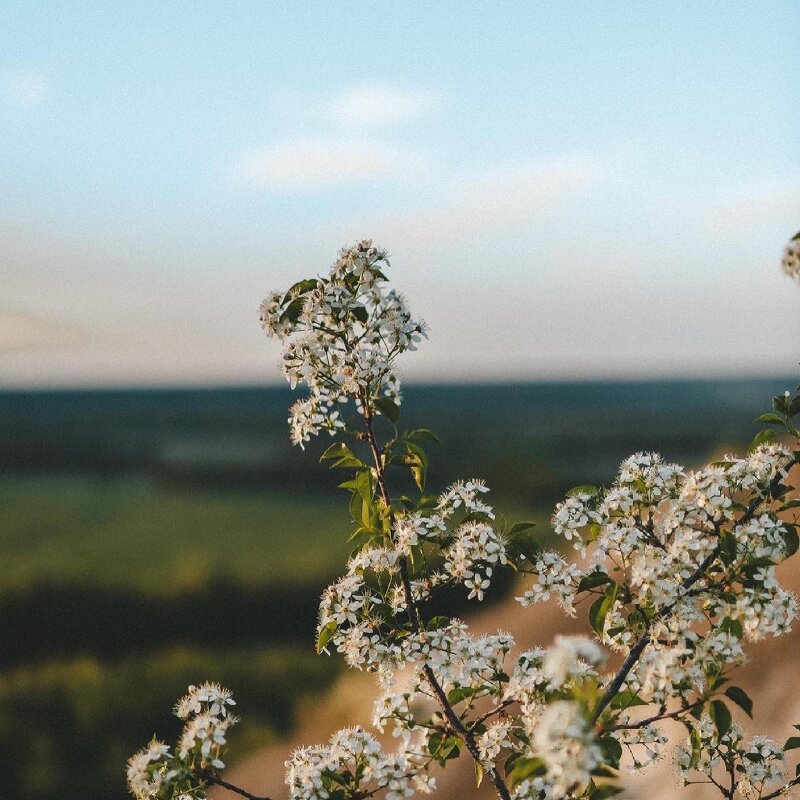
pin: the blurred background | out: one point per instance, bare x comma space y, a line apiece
586, 203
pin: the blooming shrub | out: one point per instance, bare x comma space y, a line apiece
678, 567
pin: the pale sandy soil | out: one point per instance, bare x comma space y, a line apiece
772, 678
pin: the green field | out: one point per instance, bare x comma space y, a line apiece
128, 532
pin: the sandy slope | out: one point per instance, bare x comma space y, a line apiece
772, 678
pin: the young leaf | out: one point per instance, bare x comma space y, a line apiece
771, 418
301, 287
583, 489
697, 746
363, 482
605, 791
478, 773
593, 580
763, 437
327, 632
423, 434
337, 450
612, 750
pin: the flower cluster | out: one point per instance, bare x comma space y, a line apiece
791, 257
755, 765
155, 772
341, 335
356, 611
354, 765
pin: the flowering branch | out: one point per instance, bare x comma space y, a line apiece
453, 720
679, 566
699, 572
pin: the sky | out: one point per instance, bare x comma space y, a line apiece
567, 190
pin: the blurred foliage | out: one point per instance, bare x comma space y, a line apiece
63, 722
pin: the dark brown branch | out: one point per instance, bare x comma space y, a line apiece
630, 726
779, 792
212, 779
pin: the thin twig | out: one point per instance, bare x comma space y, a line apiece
630, 726
212, 779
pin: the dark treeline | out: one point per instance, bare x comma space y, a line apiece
57, 621
531, 441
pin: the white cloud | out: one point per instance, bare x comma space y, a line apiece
492, 202
374, 104
313, 164
26, 89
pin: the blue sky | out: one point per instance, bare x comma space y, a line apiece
568, 190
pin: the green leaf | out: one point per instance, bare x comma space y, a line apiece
732, 626
301, 287
763, 437
356, 503
364, 486
526, 546
360, 313
593, 580
423, 434
327, 632
519, 527
388, 408
721, 716
792, 743
781, 404
604, 791
741, 698
790, 539
418, 464
585, 488
293, 310
627, 699
601, 607
612, 750
459, 694
771, 418
336, 451
727, 548
526, 768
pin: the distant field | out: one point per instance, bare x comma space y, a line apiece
127, 532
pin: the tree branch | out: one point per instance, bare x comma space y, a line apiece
231, 788
414, 618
